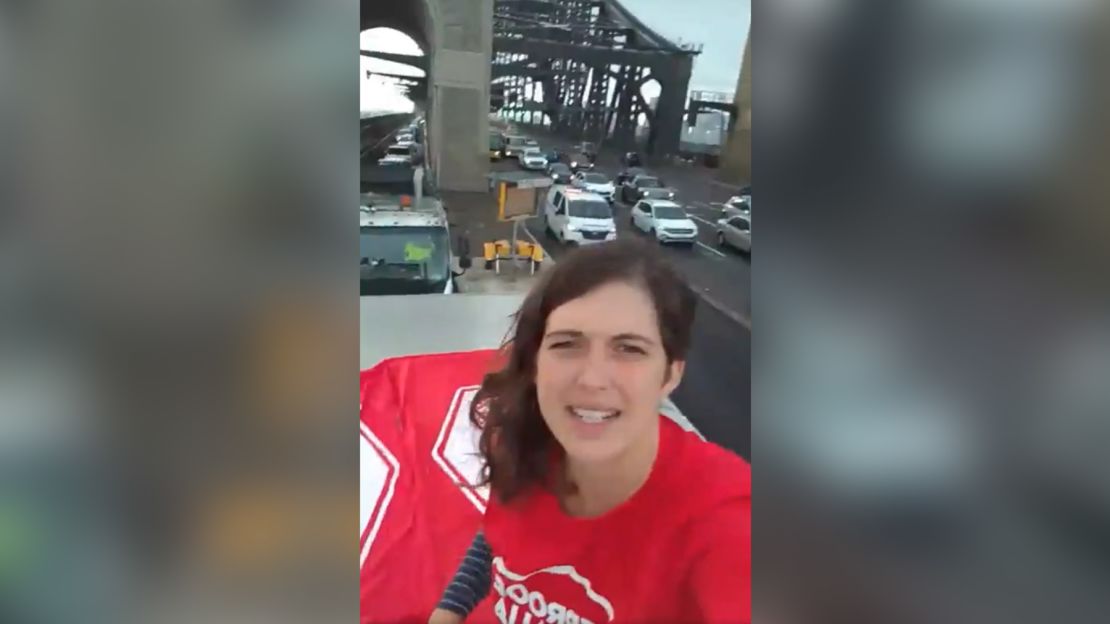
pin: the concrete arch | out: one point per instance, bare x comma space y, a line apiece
457, 36
415, 18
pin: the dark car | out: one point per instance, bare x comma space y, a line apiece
560, 173
553, 155
580, 162
631, 159
627, 174
661, 192
588, 149
632, 190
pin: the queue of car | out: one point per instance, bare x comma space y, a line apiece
406, 149
578, 207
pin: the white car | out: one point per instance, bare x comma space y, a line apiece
574, 216
397, 155
665, 220
594, 183
532, 158
738, 205
735, 231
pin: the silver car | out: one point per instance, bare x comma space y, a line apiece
735, 231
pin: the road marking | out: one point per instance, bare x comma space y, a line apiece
723, 309
705, 221
546, 256
735, 187
708, 248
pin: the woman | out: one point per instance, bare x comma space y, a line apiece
601, 510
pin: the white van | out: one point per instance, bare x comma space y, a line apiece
579, 217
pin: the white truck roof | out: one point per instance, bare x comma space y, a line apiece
395, 325
400, 218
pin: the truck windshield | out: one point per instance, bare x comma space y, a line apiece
590, 209
403, 260
397, 150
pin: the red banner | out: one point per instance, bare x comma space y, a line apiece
418, 509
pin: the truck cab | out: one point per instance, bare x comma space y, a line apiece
404, 239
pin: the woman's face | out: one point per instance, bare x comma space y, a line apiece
601, 372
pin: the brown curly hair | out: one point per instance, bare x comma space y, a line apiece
516, 447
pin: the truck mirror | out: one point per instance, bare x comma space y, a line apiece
463, 245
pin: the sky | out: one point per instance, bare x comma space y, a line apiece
377, 93
721, 26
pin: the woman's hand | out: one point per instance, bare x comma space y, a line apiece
443, 616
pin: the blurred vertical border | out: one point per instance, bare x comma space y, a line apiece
177, 312
932, 414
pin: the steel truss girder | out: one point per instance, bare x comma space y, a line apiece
569, 47
419, 62
585, 53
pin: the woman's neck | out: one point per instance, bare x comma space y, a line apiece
601, 487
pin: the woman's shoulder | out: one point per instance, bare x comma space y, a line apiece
707, 490
711, 464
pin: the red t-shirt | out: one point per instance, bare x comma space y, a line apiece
679, 550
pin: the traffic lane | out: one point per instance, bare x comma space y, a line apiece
706, 222
716, 389
693, 184
694, 188
707, 216
720, 278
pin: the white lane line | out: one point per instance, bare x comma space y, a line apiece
734, 187
718, 305
705, 221
546, 256
710, 249
703, 245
